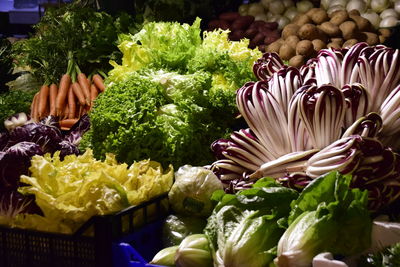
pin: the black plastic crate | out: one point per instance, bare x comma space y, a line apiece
91, 245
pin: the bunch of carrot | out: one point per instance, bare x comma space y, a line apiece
73, 97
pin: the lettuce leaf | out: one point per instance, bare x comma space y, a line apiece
72, 190
327, 216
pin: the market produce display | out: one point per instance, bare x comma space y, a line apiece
172, 95
288, 158
381, 13
315, 30
72, 190
281, 12
70, 100
327, 115
90, 37
259, 32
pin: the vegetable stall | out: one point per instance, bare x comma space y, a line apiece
261, 133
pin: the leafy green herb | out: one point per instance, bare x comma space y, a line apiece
91, 37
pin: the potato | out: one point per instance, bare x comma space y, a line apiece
312, 11
322, 35
318, 44
372, 38
349, 43
308, 32
385, 32
286, 52
274, 47
301, 19
297, 61
339, 41
290, 29
304, 48
333, 45
319, 16
362, 23
330, 29
339, 17
292, 40
349, 29
354, 12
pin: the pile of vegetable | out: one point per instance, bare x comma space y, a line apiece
259, 32
338, 112
22, 140
69, 191
281, 12
271, 224
315, 30
381, 13
69, 101
173, 94
90, 36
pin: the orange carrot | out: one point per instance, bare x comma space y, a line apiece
35, 114
85, 85
67, 123
62, 93
93, 93
33, 106
43, 100
79, 94
53, 96
98, 81
65, 113
71, 104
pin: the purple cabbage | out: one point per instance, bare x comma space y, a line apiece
24, 140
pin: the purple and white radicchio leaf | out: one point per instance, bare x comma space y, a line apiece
13, 203
367, 126
265, 117
378, 72
267, 65
74, 135
299, 137
328, 67
16, 161
295, 180
357, 101
349, 72
289, 163
322, 110
227, 171
343, 155
283, 84
47, 137
390, 112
